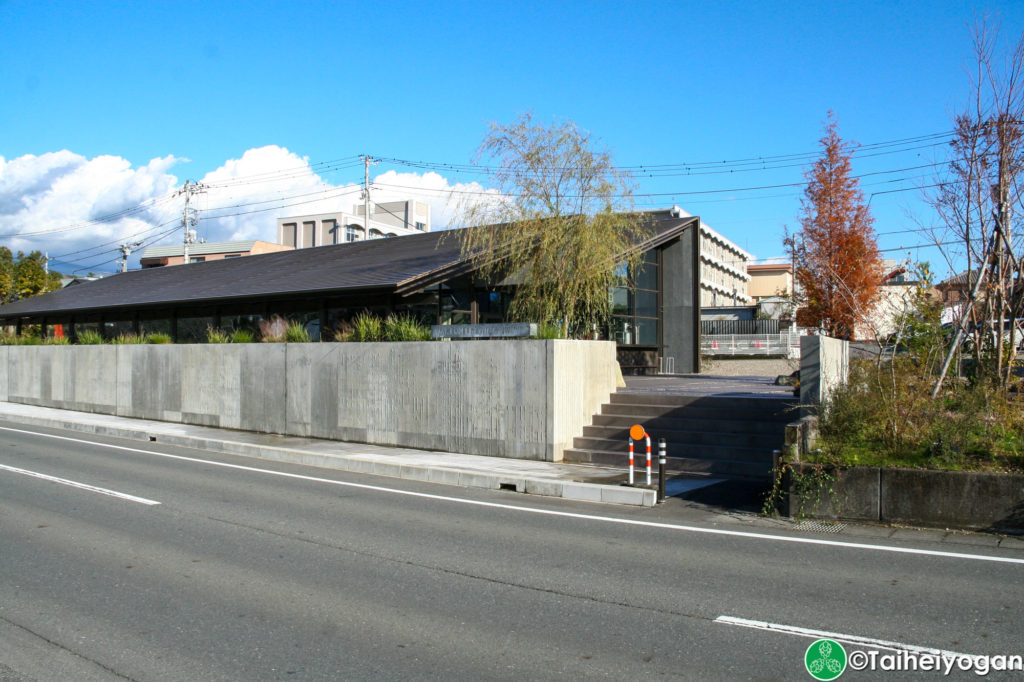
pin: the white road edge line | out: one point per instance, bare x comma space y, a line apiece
838, 636
546, 512
80, 486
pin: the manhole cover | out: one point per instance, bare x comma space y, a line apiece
819, 527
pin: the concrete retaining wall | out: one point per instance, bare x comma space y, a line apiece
516, 398
942, 499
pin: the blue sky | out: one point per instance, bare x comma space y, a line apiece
110, 104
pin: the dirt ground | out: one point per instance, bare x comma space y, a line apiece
766, 367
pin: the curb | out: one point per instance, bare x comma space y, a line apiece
367, 464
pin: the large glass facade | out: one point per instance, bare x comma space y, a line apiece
636, 304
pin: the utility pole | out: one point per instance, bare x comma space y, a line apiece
367, 202
126, 250
190, 216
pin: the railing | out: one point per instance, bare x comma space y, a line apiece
779, 345
724, 327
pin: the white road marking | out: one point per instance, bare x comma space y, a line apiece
80, 486
838, 636
546, 512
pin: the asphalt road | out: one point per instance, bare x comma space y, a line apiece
239, 572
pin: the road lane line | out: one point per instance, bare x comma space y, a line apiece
838, 636
546, 512
80, 486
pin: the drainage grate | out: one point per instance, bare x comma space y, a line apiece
819, 527
507, 486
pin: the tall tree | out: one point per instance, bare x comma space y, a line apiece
29, 275
560, 226
838, 268
6, 275
978, 197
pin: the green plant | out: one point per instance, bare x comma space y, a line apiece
367, 327
130, 339
159, 338
56, 341
803, 486
296, 333
546, 330
28, 340
405, 327
242, 336
89, 337
214, 335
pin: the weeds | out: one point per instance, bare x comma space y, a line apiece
214, 335
89, 337
242, 336
296, 333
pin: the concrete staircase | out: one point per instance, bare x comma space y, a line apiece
723, 437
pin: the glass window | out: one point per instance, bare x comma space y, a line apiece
646, 304
647, 277
620, 301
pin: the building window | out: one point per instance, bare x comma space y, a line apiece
421, 226
233, 255
196, 259
635, 305
353, 233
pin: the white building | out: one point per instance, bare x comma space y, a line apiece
387, 219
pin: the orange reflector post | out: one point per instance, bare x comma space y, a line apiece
636, 432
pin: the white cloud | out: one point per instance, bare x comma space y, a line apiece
89, 206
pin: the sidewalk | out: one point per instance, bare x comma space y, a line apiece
552, 479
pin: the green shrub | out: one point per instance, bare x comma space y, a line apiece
159, 338
89, 338
55, 341
367, 327
217, 336
405, 327
28, 340
242, 336
546, 330
130, 339
296, 333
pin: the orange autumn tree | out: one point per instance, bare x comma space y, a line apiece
838, 268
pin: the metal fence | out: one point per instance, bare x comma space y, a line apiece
779, 345
720, 327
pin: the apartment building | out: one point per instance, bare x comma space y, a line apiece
387, 219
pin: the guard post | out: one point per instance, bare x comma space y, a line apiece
661, 470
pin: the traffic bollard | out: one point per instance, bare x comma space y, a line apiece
661, 470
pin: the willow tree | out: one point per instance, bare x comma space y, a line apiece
838, 268
561, 225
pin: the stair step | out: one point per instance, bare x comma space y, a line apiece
727, 441
614, 421
744, 403
776, 413
676, 465
619, 451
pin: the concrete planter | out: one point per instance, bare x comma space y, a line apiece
918, 497
512, 398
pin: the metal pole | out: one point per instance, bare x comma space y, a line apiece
631, 460
648, 437
661, 470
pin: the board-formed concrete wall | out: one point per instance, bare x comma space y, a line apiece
516, 398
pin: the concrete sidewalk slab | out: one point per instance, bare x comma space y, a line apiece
551, 479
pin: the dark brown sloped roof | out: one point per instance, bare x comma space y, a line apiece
398, 264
